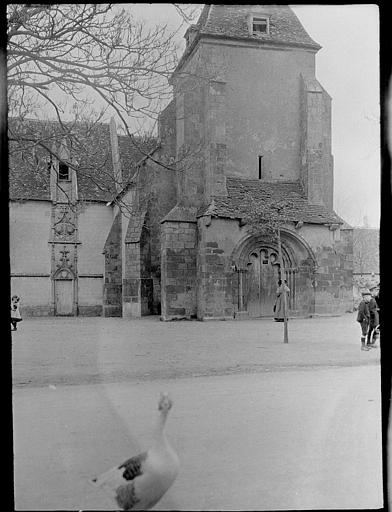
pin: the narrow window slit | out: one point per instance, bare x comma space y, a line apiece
260, 166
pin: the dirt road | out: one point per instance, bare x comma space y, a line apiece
272, 440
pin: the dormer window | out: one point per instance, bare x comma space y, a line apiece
63, 172
260, 25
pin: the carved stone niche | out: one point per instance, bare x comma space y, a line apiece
64, 264
64, 227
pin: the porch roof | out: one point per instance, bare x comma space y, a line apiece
241, 190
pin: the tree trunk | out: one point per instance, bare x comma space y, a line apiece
283, 278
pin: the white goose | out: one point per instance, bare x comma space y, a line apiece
141, 481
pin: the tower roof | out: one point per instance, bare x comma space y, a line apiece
232, 21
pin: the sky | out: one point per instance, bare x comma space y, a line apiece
347, 67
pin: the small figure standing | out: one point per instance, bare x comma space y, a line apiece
279, 302
364, 317
15, 313
374, 308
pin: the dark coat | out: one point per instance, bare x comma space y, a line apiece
363, 312
373, 310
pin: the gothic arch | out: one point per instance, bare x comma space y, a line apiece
295, 250
255, 259
63, 273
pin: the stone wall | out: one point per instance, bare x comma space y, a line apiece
131, 306
35, 248
30, 256
216, 279
334, 276
163, 199
112, 289
94, 224
303, 293
90, 296
178, 271
261, 117
29, 235
316, 160
35, 294
137, 280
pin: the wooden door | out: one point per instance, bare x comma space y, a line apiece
269, 276
253, 285
64, 297
262, 277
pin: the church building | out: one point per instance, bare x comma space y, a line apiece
249, 122
248, 119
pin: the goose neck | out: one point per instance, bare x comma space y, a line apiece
160, 426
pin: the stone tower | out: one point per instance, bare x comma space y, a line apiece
250, 115
248, 103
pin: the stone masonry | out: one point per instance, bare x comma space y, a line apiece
178, 260
112, 295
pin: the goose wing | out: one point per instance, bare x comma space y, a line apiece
111, 479
133, 467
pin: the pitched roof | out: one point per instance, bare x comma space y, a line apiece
135, 227
230, 21
131, 155
91, 151
241, 191
181, 213
28, 168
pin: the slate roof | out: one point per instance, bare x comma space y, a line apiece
181, 213
28, 174
135, 227
229, 21
131, 155
241, 189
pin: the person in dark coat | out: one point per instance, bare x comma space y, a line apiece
279, 302
363, 317
374, 308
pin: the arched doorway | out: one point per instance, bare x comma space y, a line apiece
257, 263
64, 293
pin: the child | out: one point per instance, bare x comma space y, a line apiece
364, 317
374, 316
15, 313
